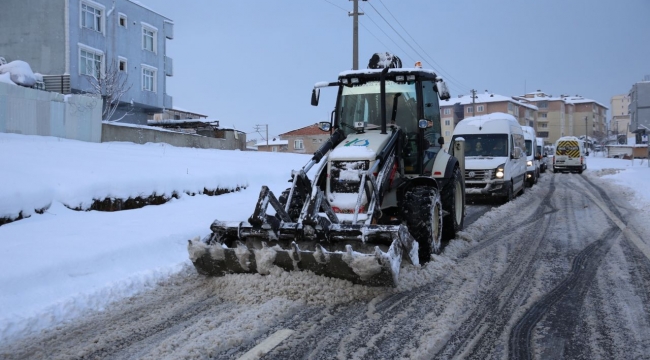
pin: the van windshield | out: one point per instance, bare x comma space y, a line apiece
485, 145
529, 147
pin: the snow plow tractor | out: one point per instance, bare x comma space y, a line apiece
383, 189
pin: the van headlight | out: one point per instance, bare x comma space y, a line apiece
500, 171
529, 163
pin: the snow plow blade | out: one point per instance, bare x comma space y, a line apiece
358, 261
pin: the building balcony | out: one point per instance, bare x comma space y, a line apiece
169, 66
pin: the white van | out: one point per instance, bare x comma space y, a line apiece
495, 159
532, 161
570, 155
540, 152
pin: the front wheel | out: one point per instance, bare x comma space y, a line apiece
423, 216
510, 195
454, 203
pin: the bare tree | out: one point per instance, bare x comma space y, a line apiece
110, 86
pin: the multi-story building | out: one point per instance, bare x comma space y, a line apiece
619, 126
589, 117
567, 116
74, 41
456, 109
639, 107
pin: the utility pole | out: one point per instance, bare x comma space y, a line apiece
257, 128
355, 34
473, 102
586, 137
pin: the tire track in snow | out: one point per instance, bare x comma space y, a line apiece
477, 335
545, 208
567, 297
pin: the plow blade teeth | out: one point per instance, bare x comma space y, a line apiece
375, 269
227, 262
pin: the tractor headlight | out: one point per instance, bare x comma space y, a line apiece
500, 171
529, 163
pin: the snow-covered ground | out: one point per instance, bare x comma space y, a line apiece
55, 265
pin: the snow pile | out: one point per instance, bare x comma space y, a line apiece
20, 72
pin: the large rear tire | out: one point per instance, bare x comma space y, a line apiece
423, 216
453, 201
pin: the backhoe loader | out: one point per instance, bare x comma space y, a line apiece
384, 188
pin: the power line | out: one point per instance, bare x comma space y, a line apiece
451, 79
416, 43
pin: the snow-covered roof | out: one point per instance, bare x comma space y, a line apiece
181, 122
541, 96
484, 98
581, 100
272, 142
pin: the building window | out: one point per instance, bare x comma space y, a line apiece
298, 145
479, 108
447, 111
543, 115
122, 65
90, 62
274, 149
542, 104
149, 78
511, 107
447, 122
149, 35
123, 20
470, 109
447, 133
91, 16
543, 125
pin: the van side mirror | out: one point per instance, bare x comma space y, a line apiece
315, 95
441, 141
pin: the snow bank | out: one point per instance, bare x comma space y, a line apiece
21, 73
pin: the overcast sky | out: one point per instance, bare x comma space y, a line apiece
255, 62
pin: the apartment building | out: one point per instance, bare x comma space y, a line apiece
73, 41
619, 125
639, 108
456, 109
566, 115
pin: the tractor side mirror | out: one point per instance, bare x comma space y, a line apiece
315, 95
325, 125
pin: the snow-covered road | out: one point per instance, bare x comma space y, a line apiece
563, 271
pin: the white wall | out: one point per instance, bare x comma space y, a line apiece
36, 112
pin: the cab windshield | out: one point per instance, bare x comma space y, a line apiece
362, 103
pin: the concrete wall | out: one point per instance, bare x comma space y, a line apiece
34, 112
143, 135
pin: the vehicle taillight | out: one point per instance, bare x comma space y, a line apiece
581, 159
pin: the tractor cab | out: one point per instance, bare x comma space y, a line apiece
391, 99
